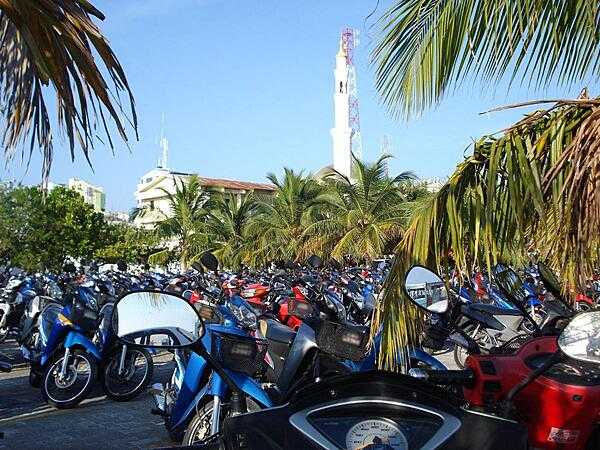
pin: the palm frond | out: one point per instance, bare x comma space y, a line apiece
56, 44
428, 47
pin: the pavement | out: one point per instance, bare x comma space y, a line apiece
97, 423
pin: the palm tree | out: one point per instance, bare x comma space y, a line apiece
185, 222
280, 222
521, 187
57, 44
428, 47
365, 216
227, 226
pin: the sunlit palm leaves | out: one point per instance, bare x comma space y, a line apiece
428, 47
280, 223
185, 221
533, 187
227, 227
364, 216
56, 44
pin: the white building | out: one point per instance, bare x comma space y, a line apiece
93, 195
434, 184
152, 198
341, 133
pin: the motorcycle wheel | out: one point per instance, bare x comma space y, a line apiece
582, 306
35, 378
3, 334
139, 368
82, 370
460, 353
199, 427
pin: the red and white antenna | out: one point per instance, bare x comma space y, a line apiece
350, 41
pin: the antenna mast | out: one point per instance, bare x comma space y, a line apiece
350, 40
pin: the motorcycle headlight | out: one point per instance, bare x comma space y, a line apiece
244, 315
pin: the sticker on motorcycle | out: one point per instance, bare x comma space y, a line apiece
562, 435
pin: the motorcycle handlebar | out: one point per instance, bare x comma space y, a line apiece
462, 377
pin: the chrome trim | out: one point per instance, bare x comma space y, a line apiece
300, 421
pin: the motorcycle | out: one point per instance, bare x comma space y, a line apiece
357, 411
73, 343
550, 381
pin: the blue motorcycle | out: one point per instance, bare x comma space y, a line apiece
76, 347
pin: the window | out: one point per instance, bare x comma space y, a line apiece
152, 205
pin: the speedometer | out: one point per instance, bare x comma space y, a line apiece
375, 434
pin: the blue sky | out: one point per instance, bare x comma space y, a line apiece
247, 88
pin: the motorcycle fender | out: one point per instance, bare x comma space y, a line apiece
189, 395
420, 355
75, 339
250, 387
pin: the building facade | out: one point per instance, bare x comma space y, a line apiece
93, 195
341, 133
153, 200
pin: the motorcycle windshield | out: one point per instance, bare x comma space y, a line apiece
48, 317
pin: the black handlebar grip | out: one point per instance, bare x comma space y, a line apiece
462, 377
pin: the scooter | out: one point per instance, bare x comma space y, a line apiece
357, 411
75, 343
550, 385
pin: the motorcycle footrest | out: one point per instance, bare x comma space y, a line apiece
158, 412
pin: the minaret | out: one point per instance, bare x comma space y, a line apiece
341, 134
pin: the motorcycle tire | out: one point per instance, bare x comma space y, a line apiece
199, 427
35, 378
3, 334
109, 378
49, 378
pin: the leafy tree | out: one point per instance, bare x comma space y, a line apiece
428, 47
40, 233
127, 243
184, 223
280, 223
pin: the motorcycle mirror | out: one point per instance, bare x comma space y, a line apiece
156, 319
198, 266
209, 261
509, 281
426, 289
314, 261
581, 337
334, 263
549, 279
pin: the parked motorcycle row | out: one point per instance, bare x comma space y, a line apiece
283, 358
62, 325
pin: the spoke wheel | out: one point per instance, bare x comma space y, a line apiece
137, 373
66, 392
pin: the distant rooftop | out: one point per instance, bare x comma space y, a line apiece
234, 184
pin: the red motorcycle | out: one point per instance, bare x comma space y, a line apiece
284, 315
548, 383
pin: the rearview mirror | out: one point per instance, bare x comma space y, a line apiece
549, 279
197, 266
156, 319
426, 289
209, 261
581, 338
314, 261
509, 281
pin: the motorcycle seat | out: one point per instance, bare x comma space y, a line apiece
275, 331
494, 310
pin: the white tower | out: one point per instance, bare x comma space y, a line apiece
341, 133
